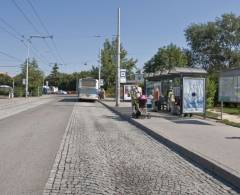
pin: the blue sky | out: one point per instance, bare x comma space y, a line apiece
146, 25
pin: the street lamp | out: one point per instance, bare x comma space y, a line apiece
99, 63
118, 62
28, 49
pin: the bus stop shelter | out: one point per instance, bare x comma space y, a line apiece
186, 84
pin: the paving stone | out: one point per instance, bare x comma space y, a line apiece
101, 154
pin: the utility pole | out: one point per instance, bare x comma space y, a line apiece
118, 62
13, 86
28, 51
99, 69
26, 82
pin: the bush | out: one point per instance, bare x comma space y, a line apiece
110, 92
4, 92
36, 91
19, 92
211, 91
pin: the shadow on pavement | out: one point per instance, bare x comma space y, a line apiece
69, 99
117, 118
232, 137
191, 121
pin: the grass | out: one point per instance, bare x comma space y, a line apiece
211, 114
234, 111
227, 122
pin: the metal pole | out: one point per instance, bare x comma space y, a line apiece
221, 109
26, 82
118, 62
99, 70
13, 87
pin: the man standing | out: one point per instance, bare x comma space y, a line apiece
171, 101
156, 96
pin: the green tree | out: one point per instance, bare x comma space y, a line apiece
166, 58
35, 77
54, 77
108, 61
5, 79
216, 45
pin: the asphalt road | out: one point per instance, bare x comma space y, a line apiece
29, 142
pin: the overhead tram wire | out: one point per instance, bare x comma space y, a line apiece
11, 66
31, 24
10, 26
46, 30
16, 35
10, 33
10, 56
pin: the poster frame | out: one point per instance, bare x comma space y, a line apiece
186, 111
124, 97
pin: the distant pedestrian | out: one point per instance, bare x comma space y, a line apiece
171, 101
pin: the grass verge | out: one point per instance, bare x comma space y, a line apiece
227, 122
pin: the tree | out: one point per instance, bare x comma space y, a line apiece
108, 61
5, 79
215, 45
54, 77
35, 77
166, 58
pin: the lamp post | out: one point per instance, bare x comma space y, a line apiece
28, 51
99, 62
118, 62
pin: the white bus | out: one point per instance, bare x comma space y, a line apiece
88, 89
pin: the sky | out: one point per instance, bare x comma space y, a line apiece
146, 25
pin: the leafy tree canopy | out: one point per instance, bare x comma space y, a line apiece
54, 77
166, 58
215, 45
35, 75
5, 79
109, 63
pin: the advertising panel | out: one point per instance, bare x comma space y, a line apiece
193, 95
229, 89
127, 94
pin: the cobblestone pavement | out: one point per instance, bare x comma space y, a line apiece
101, 154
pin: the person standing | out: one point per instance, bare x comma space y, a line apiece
156, 96
171, 101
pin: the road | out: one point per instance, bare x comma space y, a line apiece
29, 142
102, 154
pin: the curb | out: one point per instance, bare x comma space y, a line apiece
217, 170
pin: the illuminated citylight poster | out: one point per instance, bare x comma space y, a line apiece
193, 95
127, 90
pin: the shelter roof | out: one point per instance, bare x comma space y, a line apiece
230, 72
176, 72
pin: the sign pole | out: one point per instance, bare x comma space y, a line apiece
221, 109
99, 70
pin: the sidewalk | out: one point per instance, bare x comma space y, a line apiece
212, 145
